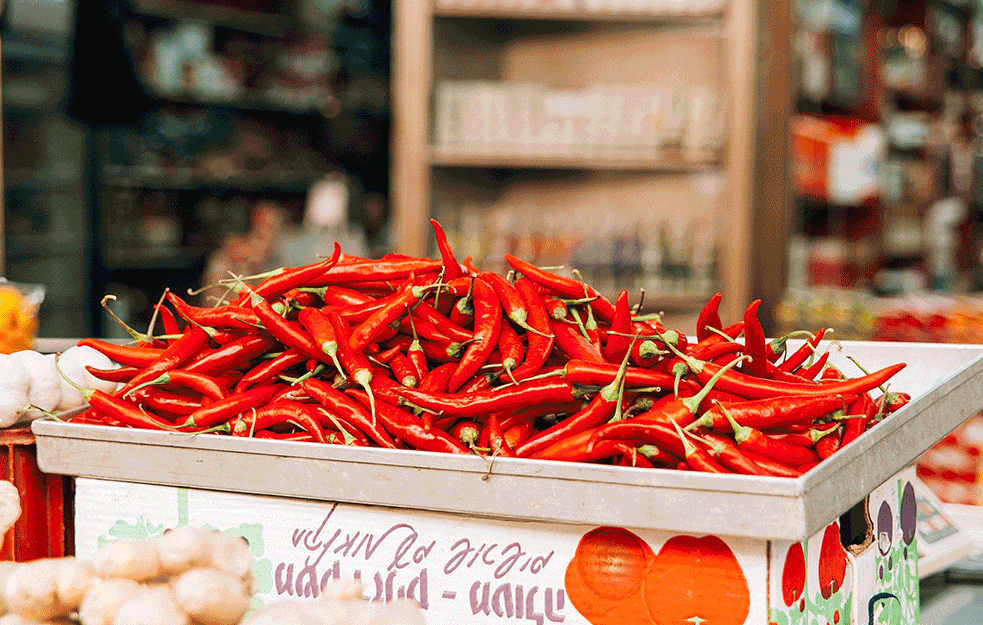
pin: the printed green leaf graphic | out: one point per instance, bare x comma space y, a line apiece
122, 529
263, 570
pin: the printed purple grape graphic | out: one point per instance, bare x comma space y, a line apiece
909, 514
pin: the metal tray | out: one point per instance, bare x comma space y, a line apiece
945, 381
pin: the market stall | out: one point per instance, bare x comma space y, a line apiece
319, 413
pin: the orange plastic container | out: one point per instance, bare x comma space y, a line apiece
45, 528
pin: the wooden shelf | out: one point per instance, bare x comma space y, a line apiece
176, 259
181, 182
574, 15
669, 163
228, 17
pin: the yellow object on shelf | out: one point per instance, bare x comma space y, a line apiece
18, 315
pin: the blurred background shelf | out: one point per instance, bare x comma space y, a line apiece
672, 163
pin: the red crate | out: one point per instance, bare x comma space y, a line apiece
45, 528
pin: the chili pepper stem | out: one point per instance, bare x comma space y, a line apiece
163, 378
693, 403
617, 385
741, 433
137, 336
346, 435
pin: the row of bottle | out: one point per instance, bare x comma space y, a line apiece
600, 121
672, 257
639, 7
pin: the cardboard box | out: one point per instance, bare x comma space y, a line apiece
478, 570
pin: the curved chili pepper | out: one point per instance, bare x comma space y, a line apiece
230, 407
597, 374
864, 407
728, 454
297, 437
772, 412
806, 438
758, 388
322, 333
487, 328
564, 286
167, 319
436, 380
452, 269
342, 297
220, 317
232, 355
409, 429
510, 348
348, 410
519, 433
278, 413
403, 370
175, 355
396, 306
417, 358
355, 363
126, 412
462, 312
576, 449
754, 342
539, 340
574, 344
618, 340
800, 355
496, 438
466, 431
203, 384
810, 372
604, 406
377, 271
826, 447
772, 466
751, 439
128, 355
291, 278
119, 374
427, 313
727, 335
521, 395
268, 370
646, 353
709, 317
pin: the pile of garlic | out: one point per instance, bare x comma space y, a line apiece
30, 384
188, 576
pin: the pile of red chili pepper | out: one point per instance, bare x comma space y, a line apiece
435, 355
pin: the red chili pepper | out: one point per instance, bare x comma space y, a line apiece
751, 439
727, 335
810, 372
268, 370
540, 339
120, 374
487, 328
519, 433
342, 297
348, 410
697, 458
826, 447
709, 318
497, 443
604, 406
403, 370
228, 316
397, 306
864, 407
510, 346
462, 312
167, 403
128, 355
772, 466
417, 357
730, 456
176, 354
355, 363
203, 384
291, 278
522, 395
297, 437
379, 271
232, 355
436, 380
807, 438
773, 412
427, 313
125, 412
891, 402
601, 306
555, 308
230, 407
167, 319
619, 336
466, 431
574, 344
322, 333
278, 413
759, 388
576, 449
800, 355
409, 429
754, 342
452, 269
597, 374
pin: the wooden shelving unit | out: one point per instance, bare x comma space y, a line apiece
575, 49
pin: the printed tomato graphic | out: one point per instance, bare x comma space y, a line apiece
832, 562
794, 574
697, 580
605, 578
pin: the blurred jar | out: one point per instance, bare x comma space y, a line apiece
19, 305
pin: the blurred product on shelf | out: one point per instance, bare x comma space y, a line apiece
952, 468
915, 317
481, 117
672, 256
248, 253
615, 7
19, 305
837, 161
